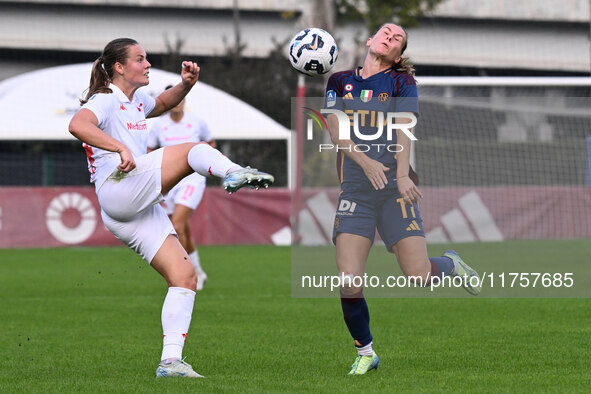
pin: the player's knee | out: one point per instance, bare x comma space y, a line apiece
186, 278
351, 285
188, 281
192, 281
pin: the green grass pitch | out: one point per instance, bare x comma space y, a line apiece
88, 320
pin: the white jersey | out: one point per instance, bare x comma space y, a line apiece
165, 131
123, 120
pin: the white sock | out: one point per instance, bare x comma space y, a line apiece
195, 260
367, 350
208, 161
176, 318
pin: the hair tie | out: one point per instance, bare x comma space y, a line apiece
101, 60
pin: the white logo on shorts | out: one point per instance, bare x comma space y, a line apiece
347, 207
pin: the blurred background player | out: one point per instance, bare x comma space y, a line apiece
177, 127
129, 182
376, 185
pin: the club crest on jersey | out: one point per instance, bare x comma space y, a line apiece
366, 95
331, 98
383, 97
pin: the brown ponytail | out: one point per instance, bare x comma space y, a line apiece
102, 68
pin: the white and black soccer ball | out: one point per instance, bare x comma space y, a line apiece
313, 51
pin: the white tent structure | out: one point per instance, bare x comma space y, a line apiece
39, 105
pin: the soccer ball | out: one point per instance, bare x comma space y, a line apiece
313, 51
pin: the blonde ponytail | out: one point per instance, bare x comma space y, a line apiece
405, 66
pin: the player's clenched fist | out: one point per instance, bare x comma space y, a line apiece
190, 73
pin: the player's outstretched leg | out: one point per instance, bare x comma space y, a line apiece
364, 364
176, 369
206, 160
250, 177
471, 282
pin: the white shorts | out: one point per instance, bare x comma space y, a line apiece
129, 206
188, 192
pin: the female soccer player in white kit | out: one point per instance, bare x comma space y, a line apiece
177, 127
129, 183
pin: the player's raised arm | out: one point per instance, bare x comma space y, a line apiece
172, 97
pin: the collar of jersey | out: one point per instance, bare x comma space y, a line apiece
375, 76
120, 95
